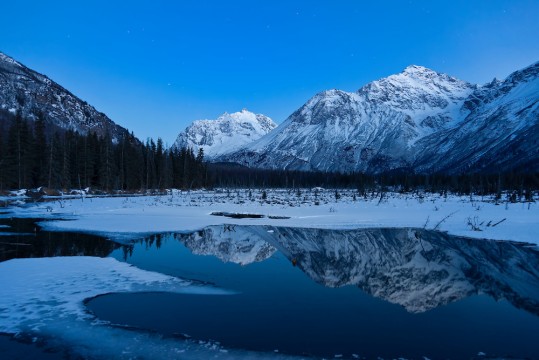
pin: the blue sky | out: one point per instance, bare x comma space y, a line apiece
154, 66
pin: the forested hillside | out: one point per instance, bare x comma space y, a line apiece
29, 158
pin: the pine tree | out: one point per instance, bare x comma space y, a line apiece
134, 164
91, 161
65, 177
106, 170
40, 152
54, 162
159, 164
120, 157
19, 155
200, 168
2, 164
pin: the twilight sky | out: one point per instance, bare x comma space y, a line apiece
154, 66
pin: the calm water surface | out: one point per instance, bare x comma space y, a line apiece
375, 292
370, 292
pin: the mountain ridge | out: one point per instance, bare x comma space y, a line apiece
418, 120
33, 94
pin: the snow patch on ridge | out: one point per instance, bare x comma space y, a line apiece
5, 58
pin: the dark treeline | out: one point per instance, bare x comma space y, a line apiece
31, 156
223, 175
231, 175
477, 183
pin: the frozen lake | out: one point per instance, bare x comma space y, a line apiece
318, 293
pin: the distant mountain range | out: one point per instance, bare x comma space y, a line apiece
416, 121
419, 120
228, 133
32, 94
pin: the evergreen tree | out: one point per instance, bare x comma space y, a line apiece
2, 164
134, 164
91, 156
19, 154
200, 170
120, 156
40, 152
65, 177
106, 169
160, 163
54, 162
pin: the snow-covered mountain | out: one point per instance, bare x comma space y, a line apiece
227, 133
500, 132
31, 93
417, 120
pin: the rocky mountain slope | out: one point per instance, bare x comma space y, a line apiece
227, 133
501, 131
417, 120
31, 93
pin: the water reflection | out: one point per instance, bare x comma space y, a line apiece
22, 238
415, 268
315, 307
230, 243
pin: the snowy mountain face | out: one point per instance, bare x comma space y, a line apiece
417, 120
501, 131
227, 133
430, 100
30, 93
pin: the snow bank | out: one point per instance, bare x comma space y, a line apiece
38, 291
181, 212
43, 299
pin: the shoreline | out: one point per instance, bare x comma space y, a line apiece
125, 216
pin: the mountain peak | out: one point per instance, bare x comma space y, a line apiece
415, 69
243, 111
418, 90
229, 131
424, 74
243, 116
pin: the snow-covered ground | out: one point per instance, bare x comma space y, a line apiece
36, 290
121, 217
43, 298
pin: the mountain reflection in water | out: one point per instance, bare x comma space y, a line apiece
415, 268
